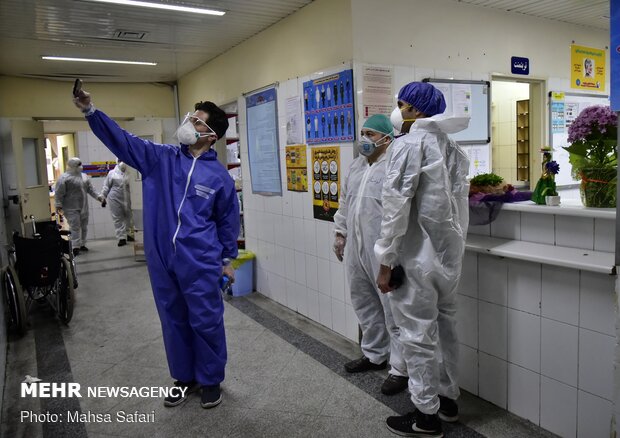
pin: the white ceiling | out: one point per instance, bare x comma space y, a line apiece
590, 13
178, 42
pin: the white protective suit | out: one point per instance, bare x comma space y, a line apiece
116, 191
423, 229
359, 219
70, 195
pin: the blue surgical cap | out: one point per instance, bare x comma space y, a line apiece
423, 97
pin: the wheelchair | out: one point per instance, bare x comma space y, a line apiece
41, 269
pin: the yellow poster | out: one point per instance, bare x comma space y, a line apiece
587, 68
297, 168
325, 182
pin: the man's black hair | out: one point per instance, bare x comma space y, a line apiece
217, 117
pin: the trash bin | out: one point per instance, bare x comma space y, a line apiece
244, 273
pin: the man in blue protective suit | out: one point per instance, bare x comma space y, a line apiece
191, 225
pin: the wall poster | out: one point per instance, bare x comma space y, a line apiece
296, 168
329, 115
263, 150
587, 68
325, 182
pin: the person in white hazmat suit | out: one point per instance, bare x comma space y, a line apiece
115, 192
425, 217
357, 228
71, 201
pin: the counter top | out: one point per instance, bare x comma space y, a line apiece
569, 207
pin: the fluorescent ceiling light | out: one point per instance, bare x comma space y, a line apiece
105, 61
165, 6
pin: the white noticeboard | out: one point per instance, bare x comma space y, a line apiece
563, 109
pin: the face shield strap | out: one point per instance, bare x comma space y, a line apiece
191, 118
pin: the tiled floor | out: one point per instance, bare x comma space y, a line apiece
284, 374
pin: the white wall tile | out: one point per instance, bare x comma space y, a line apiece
291, 295
313, 304
286, 232
468, 369
287, 204
300, 267
467, 320
309, 232
251, 223
323, 239
339, 318
337, 287
482, 230
312, 279
279, 236
524, 286
468, 284
280, 292
302, 299
493, 325
566, 232
298, 204
596, 363
538, 228
352, 324
524, 393
558, 407
268, 229
559, 351
524, 339
298, 235
493, 279
492, 379
325, 310
507, 225
594, 416
560, 294
604, 235
324, 276
289, 264
597, 302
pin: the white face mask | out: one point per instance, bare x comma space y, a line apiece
122, 166
397, 119
367, 147
187, 134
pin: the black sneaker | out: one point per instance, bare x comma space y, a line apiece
415, 424
83, 248
394, 384
130, 239
448, 409
211, 396
76, 252
363, 364
178, 397
122, 242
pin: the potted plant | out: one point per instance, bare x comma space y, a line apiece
546, 188
489, 183
593, 156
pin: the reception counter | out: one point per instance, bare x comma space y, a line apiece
537, 314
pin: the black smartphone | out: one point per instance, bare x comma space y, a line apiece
77, 87
398, 277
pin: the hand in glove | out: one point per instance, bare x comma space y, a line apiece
103, 201
339, 243
82, 101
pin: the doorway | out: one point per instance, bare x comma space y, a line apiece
518, 133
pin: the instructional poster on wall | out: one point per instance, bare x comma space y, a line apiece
263, 151
587, 68
325, 182
478, 160
293, 120
377, 95
296, 168
328, 109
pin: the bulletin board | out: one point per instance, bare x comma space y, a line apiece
563, 109
467, 99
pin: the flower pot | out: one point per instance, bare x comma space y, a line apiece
552, 200
598, 187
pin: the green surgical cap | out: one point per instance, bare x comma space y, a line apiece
380, 123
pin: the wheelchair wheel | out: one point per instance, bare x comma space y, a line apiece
66, 293
14, 300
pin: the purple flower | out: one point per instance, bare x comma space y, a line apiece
552, 167
592, 121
